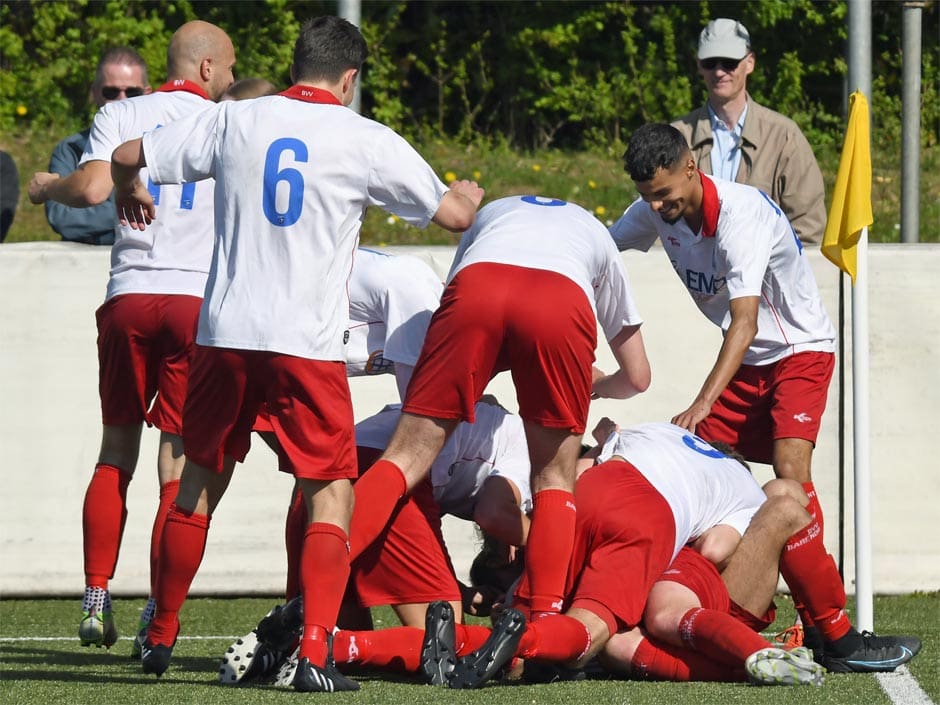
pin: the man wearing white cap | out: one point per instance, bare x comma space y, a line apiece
734, 138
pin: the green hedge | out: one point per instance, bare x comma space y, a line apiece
530, 74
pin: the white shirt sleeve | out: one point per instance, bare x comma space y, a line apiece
742, 248
184, 150
635, 229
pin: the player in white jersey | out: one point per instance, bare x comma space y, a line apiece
391, 299
738, 256
294, 174
529, 284
147, 324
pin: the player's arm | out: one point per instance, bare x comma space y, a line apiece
738, 339
89, 185
458, 208
133, 202
633, 374
498, 513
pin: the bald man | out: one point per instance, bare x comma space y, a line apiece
147, 323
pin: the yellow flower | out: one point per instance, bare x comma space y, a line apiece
592, 183
21, 110
392, 219
600, 211
450, 176
536, 167
477, 175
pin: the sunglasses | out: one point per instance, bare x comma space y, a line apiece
726, 64
112, 92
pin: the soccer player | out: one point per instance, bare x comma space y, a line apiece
147, 323
736, 253
528, 286
294, 173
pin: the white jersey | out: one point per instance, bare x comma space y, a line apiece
391, 300
562, 237
747, 247
172, 255
494, 445
293, 181
703, 487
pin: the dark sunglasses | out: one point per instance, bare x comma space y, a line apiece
112, 92
726, 64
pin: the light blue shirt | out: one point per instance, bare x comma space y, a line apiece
726, 147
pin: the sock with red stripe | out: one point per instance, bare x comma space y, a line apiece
104, 513
398, 649
813, 578
295, 527
181, 550
324, 571
548, 549
816, 517
656, 660
469, 637
167, 497
377, 494
554, 637
720, 636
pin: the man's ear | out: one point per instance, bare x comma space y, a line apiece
205, 69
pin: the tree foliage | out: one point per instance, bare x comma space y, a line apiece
531, 74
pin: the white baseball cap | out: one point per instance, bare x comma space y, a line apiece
725, 39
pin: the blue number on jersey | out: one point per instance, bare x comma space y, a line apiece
542, 201
700, 446
293, 178
186, 197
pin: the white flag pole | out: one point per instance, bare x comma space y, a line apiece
862, 427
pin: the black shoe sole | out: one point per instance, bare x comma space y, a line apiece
438, 650
474, 670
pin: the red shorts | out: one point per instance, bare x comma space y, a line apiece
408, 563
145, 344
308, 402
623, 543
496, 317
694, 571
764, 403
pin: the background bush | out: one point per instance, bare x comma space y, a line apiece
497, 76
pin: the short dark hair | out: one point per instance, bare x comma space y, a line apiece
652, 147
120, 55
327, 47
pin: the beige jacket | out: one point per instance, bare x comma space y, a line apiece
775, 157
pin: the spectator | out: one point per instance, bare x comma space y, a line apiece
734, 138
121, 73
9, 192
249, 88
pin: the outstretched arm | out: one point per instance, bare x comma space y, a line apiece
458, 208
633, 374
89, 185
737, 340
133, 202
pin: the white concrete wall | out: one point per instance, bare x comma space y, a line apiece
50, 424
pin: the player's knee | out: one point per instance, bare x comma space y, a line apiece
782, 487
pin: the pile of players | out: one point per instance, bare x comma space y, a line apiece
239, 302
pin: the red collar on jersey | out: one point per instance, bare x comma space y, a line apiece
181, 84
710, 206
310, 94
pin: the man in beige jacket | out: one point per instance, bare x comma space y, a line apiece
734, 138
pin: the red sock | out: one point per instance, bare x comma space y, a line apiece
295, 527
469, 637
548, 549
377, 495
398, 648
554, 637
103, 515
167, 497
813, 578
815, 512
655, 660
181, 549
720, 636
324, 570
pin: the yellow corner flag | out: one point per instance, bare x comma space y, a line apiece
850, 212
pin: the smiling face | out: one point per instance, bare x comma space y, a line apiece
672, 192
724, 83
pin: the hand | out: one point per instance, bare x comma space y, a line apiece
469, 190
602, 431
38, 185
691, 417
134, 205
